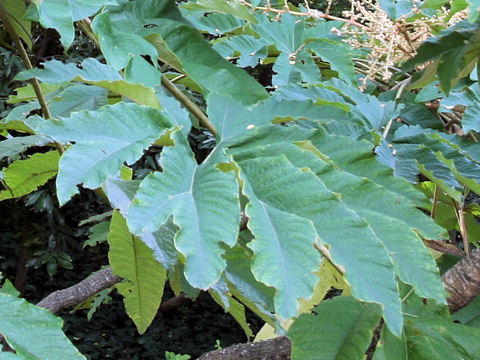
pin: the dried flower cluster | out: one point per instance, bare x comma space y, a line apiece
390, 42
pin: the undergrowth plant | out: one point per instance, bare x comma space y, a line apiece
334, 174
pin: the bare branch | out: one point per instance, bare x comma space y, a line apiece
78, 293
462, 281
273, 349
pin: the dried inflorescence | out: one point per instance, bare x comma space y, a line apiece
390, 42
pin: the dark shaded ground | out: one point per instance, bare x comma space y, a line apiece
193, 329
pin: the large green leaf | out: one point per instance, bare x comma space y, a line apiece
334, 52
104, 140
231, 117
284, 242
27, 92
290, 36
343, 329
131, 259
339, 202
470, 314
118, 46
287, 35
357, 159
24, 176
314, 201
92, 72
390, 347
249, 49
33, 332
300, 69
373, 112
429, 333
197, 196
57, 14
162, 243
396, 222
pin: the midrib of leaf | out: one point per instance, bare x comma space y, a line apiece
137, 279
348, 333
36, 175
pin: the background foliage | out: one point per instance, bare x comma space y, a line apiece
344, 146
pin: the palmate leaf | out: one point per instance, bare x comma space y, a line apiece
131, 259
396, 225
197, 196
357, 159
313, 201
33, 332
284, 243
104, 139
24, 176
290, 36
334, 52
287, 35
343, 329
339, 202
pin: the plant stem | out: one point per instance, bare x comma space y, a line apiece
435, 201
28, 65
85, 26
463, 226
311, 13
189, 104
26, 61
326, 254
180, 96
